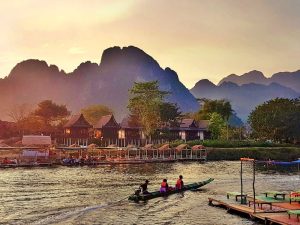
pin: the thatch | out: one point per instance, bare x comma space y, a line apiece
148, 146
92, 146
181, 147
198, 147
112, 146
130, 146
74, 146
164, 147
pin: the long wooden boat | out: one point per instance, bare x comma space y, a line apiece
157, 194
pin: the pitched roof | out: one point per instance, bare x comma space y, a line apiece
164, 147
77, 121
181, 147
188, 123
203, 124
127, 123
107, 121
36, 140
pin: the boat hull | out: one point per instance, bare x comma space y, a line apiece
157, 194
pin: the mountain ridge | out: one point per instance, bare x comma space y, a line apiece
244, 98
108, 82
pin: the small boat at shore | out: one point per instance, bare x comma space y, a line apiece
157, 194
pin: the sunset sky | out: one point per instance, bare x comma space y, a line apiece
198, 39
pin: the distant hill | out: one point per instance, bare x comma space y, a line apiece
287, 79
244, 98
107, 83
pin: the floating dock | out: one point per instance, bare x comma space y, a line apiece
269, 213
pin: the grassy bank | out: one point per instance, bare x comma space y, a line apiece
231, 144
260, 153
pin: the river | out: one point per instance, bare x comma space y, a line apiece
98, 195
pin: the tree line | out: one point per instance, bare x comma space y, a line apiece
276, 120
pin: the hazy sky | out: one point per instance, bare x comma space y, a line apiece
198, 39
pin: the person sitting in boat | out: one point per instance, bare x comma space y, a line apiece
6, 161
179, 183
164, 186
144, 187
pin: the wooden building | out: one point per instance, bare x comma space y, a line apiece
204, 133
77, 131
107, 128
130, 130
189, 129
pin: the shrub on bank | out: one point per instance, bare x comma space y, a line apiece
280, 154
230, 143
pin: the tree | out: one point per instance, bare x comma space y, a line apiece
145, 102
216, 125
277, 119
222, 107
51, 113
19, 112
93, 113
170, 114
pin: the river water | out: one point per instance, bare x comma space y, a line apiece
98, 195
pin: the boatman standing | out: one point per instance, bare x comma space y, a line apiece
144, 187
179, 183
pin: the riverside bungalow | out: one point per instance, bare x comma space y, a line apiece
189, 129
107, 128
77, 131
130, 131
203, 132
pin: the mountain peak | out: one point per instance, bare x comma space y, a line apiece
204, 83
32, 68
126, 56
85, 67
253, 76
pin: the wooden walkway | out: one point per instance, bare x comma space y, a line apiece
278, 214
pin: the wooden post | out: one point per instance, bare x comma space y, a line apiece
253, 185
241, 175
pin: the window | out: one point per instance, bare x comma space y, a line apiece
121, 134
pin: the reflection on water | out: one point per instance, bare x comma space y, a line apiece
98, 195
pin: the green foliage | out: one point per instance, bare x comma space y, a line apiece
145, 102
277, 119
169, 113
222, 143
93, 113
280, 154
51, 112
216, 125
222, 107
48, 117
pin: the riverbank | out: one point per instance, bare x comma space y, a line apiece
259, 153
